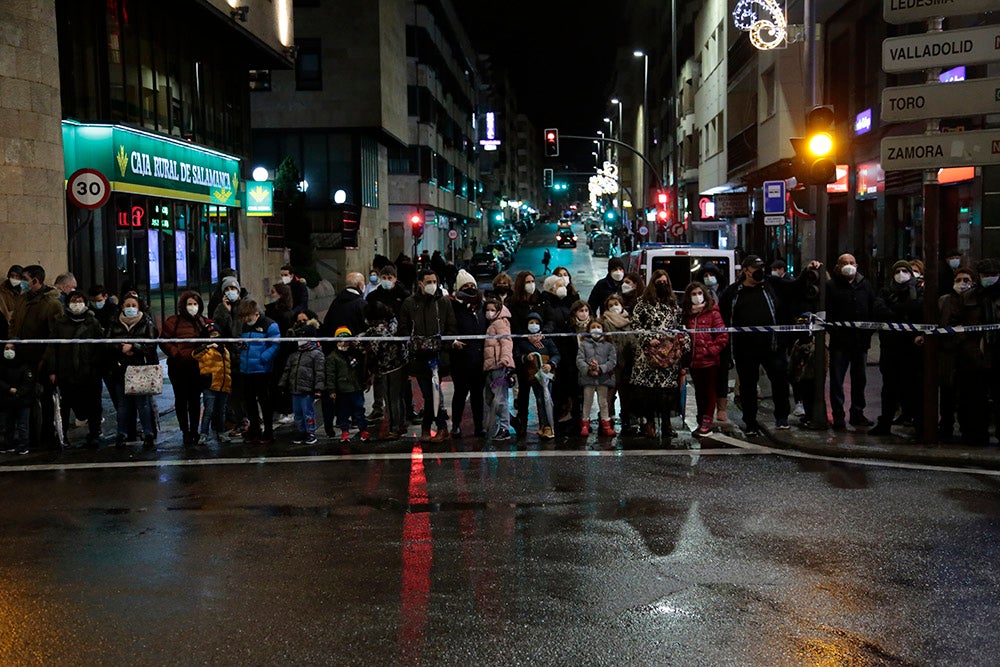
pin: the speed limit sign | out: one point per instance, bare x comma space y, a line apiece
453, 234
88, 188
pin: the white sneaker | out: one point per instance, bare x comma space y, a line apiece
286, 419
799, 410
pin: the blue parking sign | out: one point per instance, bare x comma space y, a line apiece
774, 197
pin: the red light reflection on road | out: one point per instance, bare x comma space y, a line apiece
417, 559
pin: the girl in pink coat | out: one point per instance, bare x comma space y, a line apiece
498, 364
700, 312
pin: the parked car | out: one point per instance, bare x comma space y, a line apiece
484, 265
565, 238
600, 244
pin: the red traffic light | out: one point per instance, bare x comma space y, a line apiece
415, 219
661, 197
663, 215
551, 136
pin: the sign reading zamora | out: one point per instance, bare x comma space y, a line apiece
142, 163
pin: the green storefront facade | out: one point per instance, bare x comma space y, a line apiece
171, 222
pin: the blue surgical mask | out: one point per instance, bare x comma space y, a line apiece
232, 295
988, 281
534, 328
24, 285
130, 311
373, 279
386, 284
97, 305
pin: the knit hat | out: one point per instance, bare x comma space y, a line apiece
902, 264
342, 331
464, 278
229, 281
615, 263
534, 316
306, 330
210, 328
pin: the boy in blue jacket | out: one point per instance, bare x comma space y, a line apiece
256, 366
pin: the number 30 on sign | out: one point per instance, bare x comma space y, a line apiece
88, 188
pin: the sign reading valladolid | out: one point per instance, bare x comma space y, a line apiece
142, 163
948, 149
973, 46
905, 11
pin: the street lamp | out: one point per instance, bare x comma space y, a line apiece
641, 190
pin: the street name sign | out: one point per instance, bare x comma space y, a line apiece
941, 100
774, 198
972, 46
774, 220
949, 149
906, 11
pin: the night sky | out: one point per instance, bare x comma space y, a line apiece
559, 58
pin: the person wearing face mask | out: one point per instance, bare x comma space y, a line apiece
218, 294
539, 354
501, 287
18, 390
951, 261
279, 309
661, 345
901, 359
962, 366
715, 281
633, 285
467, 372
426, 316
226, 317
75, 368
988, 295
498, 362
10, 291
391, 293
608, 285
256, 371
554, 304
700, 312
388, 365
132, 323
372, 283
596, 360
779, 270
522, 302
615, 319
564, 273
182, 367
298, 288
104, 307
757, 300
850, 297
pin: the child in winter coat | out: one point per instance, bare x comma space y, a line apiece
346, 377
216, 371
304, 377
18, 390
498, 363
700, 312
596, 359
540, 355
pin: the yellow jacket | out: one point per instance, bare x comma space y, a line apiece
215, 367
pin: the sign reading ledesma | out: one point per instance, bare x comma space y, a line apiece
905, 11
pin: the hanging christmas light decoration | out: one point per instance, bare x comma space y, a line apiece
605, 182
765, 33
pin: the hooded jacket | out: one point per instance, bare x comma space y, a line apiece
498, 352
75, 363
305, 370
183, 325
259, 357
604, 352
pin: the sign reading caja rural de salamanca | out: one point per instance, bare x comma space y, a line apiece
948, 149
905, 11
941, 100
941, 49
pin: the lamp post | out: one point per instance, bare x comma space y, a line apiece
621, 137
611, 134
641, 190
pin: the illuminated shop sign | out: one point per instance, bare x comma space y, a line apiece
863, 122
143, 163
490, 142
953, 74
260, 199
870, 179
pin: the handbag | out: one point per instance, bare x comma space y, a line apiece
143, 380
661, 352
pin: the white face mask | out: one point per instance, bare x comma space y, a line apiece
193, 310
8, 354
848, 270
618, 275
988, 281
961, 288
491, 314
430, 289
534, 327
711, 281
77, 308
954, 262
597, 333
232, 295
529, 288
626, 288
697, 299
615, 309
286, 279
561, 292
775, 274
902, 277
567, 279
15, 282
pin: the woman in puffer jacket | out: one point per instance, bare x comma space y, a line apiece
498, 361
182, 367
132, 323
700, 312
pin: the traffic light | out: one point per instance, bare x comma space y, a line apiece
417, 226
551, 142
815, 154
547, 176
664, 209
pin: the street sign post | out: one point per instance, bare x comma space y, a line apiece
972, 46
936, 100
774, 220
88, 188
907, 11
774, 198
948, 149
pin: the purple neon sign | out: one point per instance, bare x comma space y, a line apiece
863, 122
954, 74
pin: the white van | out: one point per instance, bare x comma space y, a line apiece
681, 262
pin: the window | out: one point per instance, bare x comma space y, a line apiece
767, 89
260, 80
719, 122
309, 65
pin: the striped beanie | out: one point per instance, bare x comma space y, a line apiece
342, 331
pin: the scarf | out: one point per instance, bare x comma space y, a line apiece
617, 320
130, 322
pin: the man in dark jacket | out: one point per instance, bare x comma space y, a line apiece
347, 310
425, 316
608, 285
756, 299
849, 298
390, 291
300, 291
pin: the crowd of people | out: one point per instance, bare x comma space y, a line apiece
629, 348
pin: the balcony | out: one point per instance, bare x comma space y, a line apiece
741, 150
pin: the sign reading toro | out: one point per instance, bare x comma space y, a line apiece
143, 163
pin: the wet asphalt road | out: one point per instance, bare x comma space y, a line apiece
727, 558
